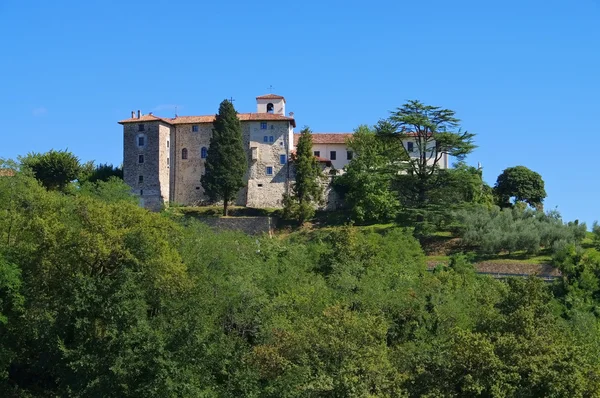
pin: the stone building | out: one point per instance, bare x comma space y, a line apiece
163, 158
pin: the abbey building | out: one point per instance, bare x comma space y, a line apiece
163, 158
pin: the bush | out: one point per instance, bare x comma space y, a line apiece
493, 230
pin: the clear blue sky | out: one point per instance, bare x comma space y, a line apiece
523, 75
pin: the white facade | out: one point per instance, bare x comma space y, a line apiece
331, 151
328, 146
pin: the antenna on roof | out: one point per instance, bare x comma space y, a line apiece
270, 88
175, 111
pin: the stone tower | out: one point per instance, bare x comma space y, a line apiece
270, 103
146, 158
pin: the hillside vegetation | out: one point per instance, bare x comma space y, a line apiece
101, 298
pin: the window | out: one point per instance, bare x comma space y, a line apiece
203, 152
263, 125
332, 155
272, 127
168, 163
349, 155
140, 158
269, 170
317, 153
140, 127
271, 138
141, 140
270, 108
141, 192
266, 138
195, 128
410, 146
184, 153
168, 144
140, 179
282, 159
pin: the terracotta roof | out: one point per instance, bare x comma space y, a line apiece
208, 118
7, 172
270, 96
326, 138
143, 118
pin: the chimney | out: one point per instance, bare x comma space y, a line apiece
132, 114
139, 114
291, 114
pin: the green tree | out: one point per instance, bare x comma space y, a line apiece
101, 172
226, 163
54, 169
367, 183
522, 185
112, 190
433, 130
307, 190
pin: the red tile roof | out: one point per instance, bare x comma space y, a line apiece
326, 138
7, 172
209, 118
270, 96
143, 118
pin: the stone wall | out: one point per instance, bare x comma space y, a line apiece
187, 173
266, 191
167, 176
248, 225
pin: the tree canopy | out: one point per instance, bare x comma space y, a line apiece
54, 169
226, 162
307, 190
367, 182
522, 185
433, 131
99, 297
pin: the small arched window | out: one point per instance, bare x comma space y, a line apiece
270, 108
184, 153
203, 152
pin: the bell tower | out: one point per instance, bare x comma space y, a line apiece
270, 103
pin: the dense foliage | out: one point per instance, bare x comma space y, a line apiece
226, 163
520, 184
366, 185
307, 189
434, 132
101, 298
100, 172
494, 230
54, 169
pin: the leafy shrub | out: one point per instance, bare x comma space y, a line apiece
516, 229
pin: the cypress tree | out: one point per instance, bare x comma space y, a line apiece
307, 189
226, 161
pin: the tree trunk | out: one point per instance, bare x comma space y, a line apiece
225, 202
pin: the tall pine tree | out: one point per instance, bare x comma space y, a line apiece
307, 190
226, 161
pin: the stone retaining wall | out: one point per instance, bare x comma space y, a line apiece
248, 225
